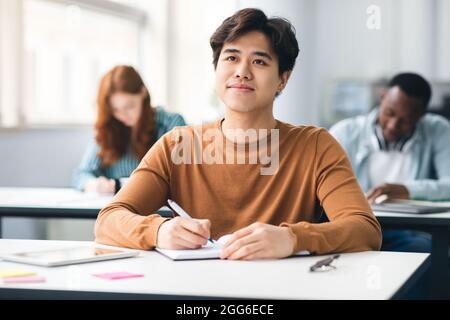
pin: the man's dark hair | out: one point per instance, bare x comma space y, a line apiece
413, 85
278, 30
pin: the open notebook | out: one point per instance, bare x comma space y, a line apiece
210, 251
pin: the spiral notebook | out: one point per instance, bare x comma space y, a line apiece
209, 251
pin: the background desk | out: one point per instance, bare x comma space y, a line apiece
366, 275
52, 203
438, 225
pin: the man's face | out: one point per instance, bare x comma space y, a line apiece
247, 75
399, 114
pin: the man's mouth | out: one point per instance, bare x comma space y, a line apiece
241, 87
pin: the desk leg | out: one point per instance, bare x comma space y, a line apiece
439, 263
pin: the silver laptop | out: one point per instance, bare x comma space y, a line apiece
408, 208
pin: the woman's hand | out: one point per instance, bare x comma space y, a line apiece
101, 185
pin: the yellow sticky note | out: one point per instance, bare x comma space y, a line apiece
15, 273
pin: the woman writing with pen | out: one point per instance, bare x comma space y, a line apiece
127, 126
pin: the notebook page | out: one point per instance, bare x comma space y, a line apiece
209, 251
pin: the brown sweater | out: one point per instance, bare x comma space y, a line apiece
314, 173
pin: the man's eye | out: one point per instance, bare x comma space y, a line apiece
230, 58
260, 62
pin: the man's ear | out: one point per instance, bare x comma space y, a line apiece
284, 80
422, 111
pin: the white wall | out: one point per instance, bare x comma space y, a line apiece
414, 43
443, 45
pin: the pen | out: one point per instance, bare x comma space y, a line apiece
179, 210
324, 263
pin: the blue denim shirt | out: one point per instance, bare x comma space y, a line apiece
430, 175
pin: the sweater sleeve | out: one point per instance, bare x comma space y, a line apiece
88, 169
130, 219
352, 226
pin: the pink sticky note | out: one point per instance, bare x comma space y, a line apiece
118, 275
31, 279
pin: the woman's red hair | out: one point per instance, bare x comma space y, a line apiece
113, 137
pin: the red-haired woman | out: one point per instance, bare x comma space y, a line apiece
127, 126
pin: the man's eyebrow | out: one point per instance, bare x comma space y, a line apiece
231, 51
256, 53
263, 54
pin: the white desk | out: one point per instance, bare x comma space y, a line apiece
23, 200
438, 225
52, 203
366, 275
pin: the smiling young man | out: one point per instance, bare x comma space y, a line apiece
216, 171
401, 152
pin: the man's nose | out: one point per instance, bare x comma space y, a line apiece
393, 124
243, 71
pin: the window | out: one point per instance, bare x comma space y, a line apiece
68, 45
10, 63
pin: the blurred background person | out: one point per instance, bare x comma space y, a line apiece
399, 151
126, 127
